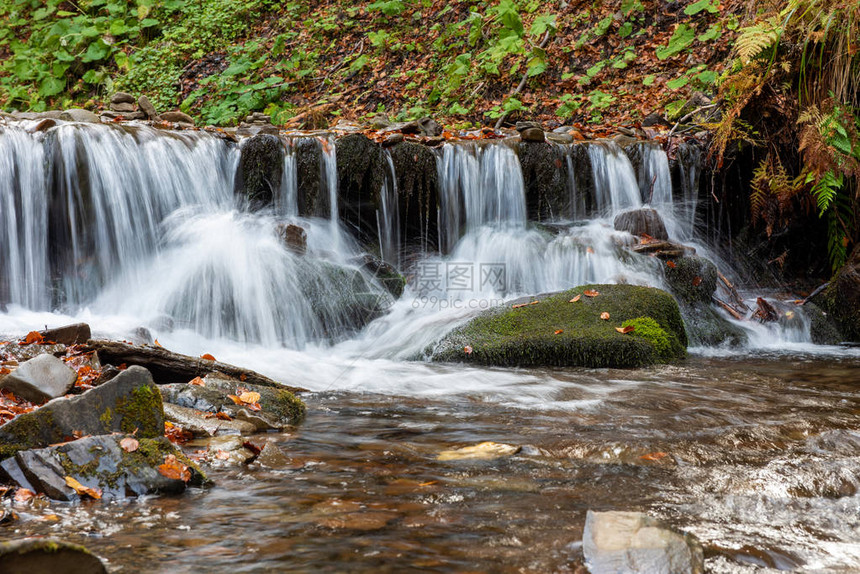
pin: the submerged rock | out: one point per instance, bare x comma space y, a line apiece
841, 299
47, 556
558, 332
634, 543
113, 469
40, 379
130, 402
383, 272
480, 451
295, 238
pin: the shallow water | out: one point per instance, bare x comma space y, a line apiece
761, 464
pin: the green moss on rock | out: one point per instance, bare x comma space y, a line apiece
136, 412
526, 336
666, 345
693, 279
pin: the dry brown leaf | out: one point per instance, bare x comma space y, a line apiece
604, 316
575, 299
591, 293
32, 337
559, 331
670, 264
129, 444
208, 357
625, 330
81, 489
197, 382
249, 397
174, 469
534, 302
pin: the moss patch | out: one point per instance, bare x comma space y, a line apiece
526, 336
692, 280
137, 412
287, 406
666, 345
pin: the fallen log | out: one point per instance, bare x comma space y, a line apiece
168, 367
736, 298
729, 309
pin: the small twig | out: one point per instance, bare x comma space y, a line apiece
522, 83
687, 117
817, 290
731, 310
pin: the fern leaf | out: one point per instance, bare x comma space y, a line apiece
753, 40
826, 189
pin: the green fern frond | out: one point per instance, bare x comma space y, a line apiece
825, 190
753, 40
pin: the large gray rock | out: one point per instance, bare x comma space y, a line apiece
634, 543
122, 98
203, 423
40, 379
127, 402
76, 334
146, 107
47, 556
79, 115
123, 107
177, 117
21, 353
641, 222
102, 463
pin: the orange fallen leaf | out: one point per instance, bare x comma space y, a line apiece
697, 281
157, 344
517, 306
575, 299
534, 302
625, 330
591, 293
222, 455
235, 399
249, 397
670, 264
653, 456
208, 357
32, 337
589, 250
197, 382
559, 331
174, 469
604, 316
81, 489
129, 444
468, 349
51, 518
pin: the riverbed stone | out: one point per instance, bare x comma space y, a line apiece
79, 115
279, 408
177, 117
21, 353
122, 98
105, 463
130, 402
557, 332
146, 107
75, 334
261, 166
47, 556
641, 222
197, 423
841, 299
692, 279
633, 543
40, 379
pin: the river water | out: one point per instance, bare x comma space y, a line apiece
753, 450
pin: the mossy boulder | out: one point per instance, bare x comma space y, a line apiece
556, 332
260, 169
104, 463
47, 556
127, 403
841, 299
418, 192
693, 279
706, 327
361, 171
548, 195
822, 328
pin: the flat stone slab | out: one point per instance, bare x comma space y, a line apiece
128, 402
633, 542
40, 379
113, 469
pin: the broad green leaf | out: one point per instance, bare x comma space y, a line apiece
649, 79
711, 6
98, 50
678, 83
680, 40
51, 87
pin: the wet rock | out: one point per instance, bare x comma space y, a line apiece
40, 379
177, 117
546, 180
425, 126
294, 237
47, 556
141, 336
122, 98
632, 543
822, 329
559, 138
43, 125
417, 187
379, 121
655, 119
124, 107
692, 279
278, 408
383, 272
50, 114
260, 169
127, 402
665, 250
125, 116
257, 123
706, 327
558, 332
312, 199
273, 457
199, 424
22, 353
75, 334
841, 299
105, 463
225, 450
641, 222
78, 115
361, 170
530, 131
392, 139
562, 130
147, 108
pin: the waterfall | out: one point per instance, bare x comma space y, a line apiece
388, 216
615, 185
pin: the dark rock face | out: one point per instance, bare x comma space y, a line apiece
100, 462
548, 195
76, 334
384, 272
261, 167
841, 299
40, 379
418, 192
47, 556
642, 222
361, 170
127, 402
312, 201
